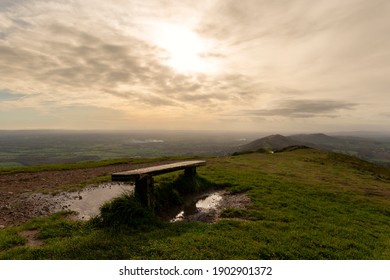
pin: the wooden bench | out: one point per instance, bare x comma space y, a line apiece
143, 177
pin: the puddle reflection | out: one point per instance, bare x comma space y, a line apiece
88, 201
203, 205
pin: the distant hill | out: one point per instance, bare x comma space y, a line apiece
269, 143
372, 150
317, 139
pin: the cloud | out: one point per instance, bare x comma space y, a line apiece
302, 109
5, 4
246, 21
305, 43
69, 62
69, 56
300, 56
10, 96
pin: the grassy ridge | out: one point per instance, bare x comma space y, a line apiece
306, 204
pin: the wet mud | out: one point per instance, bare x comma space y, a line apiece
19, 208
85, 204
20, 197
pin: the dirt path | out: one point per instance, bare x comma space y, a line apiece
16, 205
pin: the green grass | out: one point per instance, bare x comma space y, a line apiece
305, 204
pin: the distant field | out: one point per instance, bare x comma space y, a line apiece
24, 148
305, 204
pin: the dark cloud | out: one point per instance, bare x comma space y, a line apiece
302, 109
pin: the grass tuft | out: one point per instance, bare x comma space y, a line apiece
10, 238
124, 210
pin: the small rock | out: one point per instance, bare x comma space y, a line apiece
2, 226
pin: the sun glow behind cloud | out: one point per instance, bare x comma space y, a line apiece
184, 48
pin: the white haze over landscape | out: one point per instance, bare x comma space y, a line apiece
249, 65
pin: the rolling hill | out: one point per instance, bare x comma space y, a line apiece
269, 143
370, 149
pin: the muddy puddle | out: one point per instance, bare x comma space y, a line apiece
87, 202
20, 208
84, 203
201, 208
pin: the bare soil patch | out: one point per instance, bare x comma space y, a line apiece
17, 203
32, 238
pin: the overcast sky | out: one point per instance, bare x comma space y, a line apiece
259, 65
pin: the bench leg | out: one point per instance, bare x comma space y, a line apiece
190, 172
144, 190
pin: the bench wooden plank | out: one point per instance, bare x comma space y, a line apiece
137, 174
143, 178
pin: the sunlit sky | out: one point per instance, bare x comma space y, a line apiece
248, 65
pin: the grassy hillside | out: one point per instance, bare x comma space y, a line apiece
305, 204
269, 143
375, 150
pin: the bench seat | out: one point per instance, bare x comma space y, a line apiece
136, 174
143, 177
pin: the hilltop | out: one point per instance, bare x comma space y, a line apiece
303, 204
270, 143
374, 150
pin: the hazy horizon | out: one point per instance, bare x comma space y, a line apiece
286, 67
218, 133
